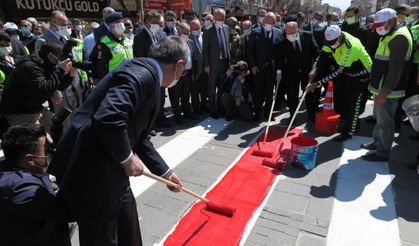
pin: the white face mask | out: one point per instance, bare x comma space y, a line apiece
381, 31
350, 20
64, 31
196, 33
185, 37
170, 24
154, 28
4, 51
315, 22
219, 24
79, 27
207, 24
261, 19
247, 32
119, 28
292, 37
268, 27
335, 45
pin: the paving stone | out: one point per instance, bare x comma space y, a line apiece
257, 238
250, 243
409, 225
277, 210
292, 231
293, 188
297, 217
306, 239
289, 202
408, 244
275, 217
272, 224
320, 231
307, 227
320, 208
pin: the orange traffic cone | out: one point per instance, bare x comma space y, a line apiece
327, 120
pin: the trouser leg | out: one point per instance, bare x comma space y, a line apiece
383, 132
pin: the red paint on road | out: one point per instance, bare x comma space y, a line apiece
244, 187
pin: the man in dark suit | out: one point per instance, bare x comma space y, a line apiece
107, 140
263, 55
59, 30
244, 39
199, 78
216, 60
170, 20
143, 41
32, 213
104, 29
296, 56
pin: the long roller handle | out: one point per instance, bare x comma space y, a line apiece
295, 114
170, 183
265, 137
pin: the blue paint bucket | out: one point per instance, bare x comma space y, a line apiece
304, 152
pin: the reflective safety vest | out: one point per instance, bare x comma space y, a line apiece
120, 52
78, 56
381, 64
350, 52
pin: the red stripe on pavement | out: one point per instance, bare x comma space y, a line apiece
244, 187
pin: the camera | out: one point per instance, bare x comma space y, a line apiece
68, 54
239, 67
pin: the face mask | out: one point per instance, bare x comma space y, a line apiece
170, 24
15, 37
154, 28
247, 32
119, 28
261, 19
207, 24
381, 31
334, 23
185, 37
219, 24
268, 27
314, 22
4, 51
160, 29
410, 19
79, 27
64, 31
196, 33
25, 32
350, 20
335, 45
292, 37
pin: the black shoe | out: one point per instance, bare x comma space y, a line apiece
163, 123
342, 137
152, 133
215, 115
178, 119
373, 157
414, 137
191, 116
368, 146
229, 118
413, 166
371, 120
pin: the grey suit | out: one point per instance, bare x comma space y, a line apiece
218, 64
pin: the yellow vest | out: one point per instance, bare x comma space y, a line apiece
120, 52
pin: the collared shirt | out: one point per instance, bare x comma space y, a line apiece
89, 43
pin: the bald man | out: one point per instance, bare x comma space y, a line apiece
263, 55
59, 30
216, 60
297, 53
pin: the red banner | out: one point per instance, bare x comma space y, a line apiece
176, 5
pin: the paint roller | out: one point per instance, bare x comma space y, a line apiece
273, 162
259, 151
220, 209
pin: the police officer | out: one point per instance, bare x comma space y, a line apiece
354, 64
112, 49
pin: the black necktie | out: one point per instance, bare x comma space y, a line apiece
267, 34
222, 42
297, 46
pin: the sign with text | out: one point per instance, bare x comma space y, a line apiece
43, 8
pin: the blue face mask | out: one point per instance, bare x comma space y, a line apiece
25, 32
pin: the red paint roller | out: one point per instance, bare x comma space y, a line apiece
276, 160
265, 152
220, 209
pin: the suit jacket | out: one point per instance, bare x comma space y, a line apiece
263, 50
101, 32
211, 47
292, 61
142, 43
244, 41
170, 32
113, 121
197, 54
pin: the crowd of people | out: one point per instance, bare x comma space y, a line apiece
99, 91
